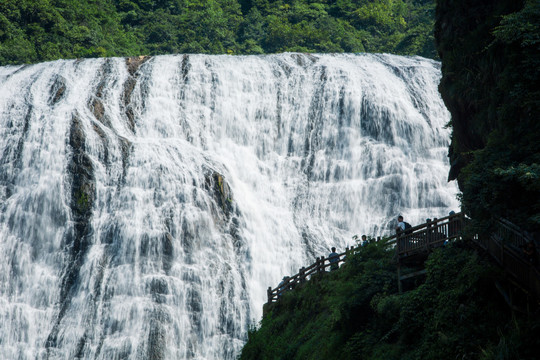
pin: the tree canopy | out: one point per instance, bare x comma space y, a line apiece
41, 30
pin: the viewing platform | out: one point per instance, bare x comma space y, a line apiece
505, 244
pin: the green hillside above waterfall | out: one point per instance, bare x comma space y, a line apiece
357, 313
40, 30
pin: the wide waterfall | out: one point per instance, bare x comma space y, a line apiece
146, 204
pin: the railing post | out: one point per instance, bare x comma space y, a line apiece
347, 253
435, 231
269, 294
399, 244
429, 232
302, 277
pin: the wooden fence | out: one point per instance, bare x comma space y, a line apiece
505, 244
427, 236
416, 239
317, 268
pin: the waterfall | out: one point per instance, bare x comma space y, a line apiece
147, 203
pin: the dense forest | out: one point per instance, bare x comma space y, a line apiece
40, 30
357, 313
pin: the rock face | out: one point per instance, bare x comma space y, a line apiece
216, 184
470, 65
489, 52
133, 64
80, 170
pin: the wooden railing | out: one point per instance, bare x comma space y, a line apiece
419, 238
429, 235
505, 244
317, 268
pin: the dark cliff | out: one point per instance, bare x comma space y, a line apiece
491, 76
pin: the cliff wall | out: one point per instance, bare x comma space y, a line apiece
491, 71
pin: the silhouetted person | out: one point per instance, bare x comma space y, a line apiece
364, 240
400, 225
333, 257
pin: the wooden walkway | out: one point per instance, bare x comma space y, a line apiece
505, 244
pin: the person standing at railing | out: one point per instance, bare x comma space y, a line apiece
403, 228
403, 225
333, 257
400, 225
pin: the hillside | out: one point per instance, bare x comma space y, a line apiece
34, 31
356, 313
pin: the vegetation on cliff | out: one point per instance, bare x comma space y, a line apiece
356, 313
39, 30
490, 53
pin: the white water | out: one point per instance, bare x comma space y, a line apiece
314, 149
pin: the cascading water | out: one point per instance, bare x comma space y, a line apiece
147, 203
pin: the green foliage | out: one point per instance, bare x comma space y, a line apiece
356, 313
315, 320
83, 201
491, 71
32, 31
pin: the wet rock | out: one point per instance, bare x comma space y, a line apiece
159, 289
194, 306
97, 108
81, 174
96, 102
220, 191
125, 145
156, 341
168, 252
186, 66
57, 91
159, 286
80, 347
302, 59
133, 63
